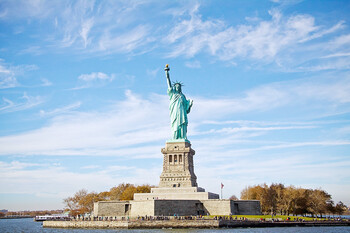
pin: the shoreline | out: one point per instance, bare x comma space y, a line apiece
184, 224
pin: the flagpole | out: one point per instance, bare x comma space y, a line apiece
222, 185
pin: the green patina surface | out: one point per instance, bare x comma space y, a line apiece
179, 107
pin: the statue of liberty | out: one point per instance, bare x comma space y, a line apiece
179, 108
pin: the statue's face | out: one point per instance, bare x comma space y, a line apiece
177, 87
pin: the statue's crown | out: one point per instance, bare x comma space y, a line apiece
178, 83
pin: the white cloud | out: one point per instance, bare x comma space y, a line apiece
29, 102
9, 74
27, 9
96, 76
94, 79
279, 39
47, 180
99, 27
137, 127
124, 42
337, 55
318, 34
129, 122
61, 110
340, 41
86, 26
138, 120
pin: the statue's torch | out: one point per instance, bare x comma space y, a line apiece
166, 69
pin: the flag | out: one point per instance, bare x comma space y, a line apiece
222, 185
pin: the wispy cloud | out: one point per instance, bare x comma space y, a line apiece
104, 28
109, 131
9, 74
27, 103
7, 78
94, 79
122, 122
337, 55
27, 178
276, 40
96, 76
340, 41
62, 110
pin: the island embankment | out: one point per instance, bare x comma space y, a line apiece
134, 224
156, 224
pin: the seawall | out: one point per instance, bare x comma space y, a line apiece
183, 224
134, 224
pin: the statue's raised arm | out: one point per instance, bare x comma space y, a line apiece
179, 107
167, 75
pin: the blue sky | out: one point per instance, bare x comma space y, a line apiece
83, 94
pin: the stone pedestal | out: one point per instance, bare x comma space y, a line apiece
178, 168
177, 181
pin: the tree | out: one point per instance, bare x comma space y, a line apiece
278, 192
317, 201
340, 208
82, 202
117, 191
128, 193
233, 197
330, 207
144, 188
288, 200
72, 203
86, 203
104, 195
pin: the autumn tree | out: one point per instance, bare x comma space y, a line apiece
317, 201
287, 202
340, 208
144, 188
83, 202
104, 195
301, 201
72, 203
277, 198
128, 193
116, 192
86, 203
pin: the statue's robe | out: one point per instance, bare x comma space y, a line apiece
179, 108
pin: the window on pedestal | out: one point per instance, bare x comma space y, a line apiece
180, 158
175, 158
170, 158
